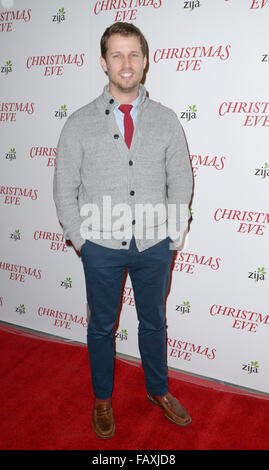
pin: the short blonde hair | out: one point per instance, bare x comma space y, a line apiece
125, 29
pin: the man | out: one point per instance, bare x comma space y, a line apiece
123, 151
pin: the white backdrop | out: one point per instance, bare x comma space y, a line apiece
209, 61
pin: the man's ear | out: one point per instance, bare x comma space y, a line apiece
103, 64
145, 62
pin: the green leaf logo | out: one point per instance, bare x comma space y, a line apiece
61, 10
193, 108
261, 271
254, 364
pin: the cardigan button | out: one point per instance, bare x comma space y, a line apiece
111, 101
124, 243
131, 162
132, 193
107, 111
116, 136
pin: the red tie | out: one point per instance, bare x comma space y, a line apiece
128, 123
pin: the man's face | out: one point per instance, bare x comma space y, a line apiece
124, 64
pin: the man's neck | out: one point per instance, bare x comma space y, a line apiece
124, 98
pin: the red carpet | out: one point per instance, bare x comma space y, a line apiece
46, 403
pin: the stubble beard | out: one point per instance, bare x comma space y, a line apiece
126, 88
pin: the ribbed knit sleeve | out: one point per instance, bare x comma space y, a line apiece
67, 180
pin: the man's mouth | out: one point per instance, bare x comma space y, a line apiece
126, 75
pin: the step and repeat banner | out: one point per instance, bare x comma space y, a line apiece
209, 61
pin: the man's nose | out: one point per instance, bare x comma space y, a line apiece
126, 62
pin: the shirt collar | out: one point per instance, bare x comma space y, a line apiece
112, 101
136, 102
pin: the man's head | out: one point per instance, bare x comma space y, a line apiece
123, 59
124, 29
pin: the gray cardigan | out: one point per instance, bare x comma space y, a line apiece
93, 161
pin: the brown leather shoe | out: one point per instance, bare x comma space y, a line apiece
103, 420
172, 409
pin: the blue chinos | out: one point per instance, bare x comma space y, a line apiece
149, 271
